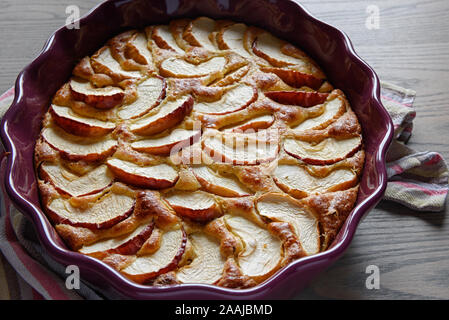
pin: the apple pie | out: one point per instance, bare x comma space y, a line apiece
202, 151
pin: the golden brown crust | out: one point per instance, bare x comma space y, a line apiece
229, 244
152, 244
43, 152
165, 279
118, 261
150, 203
333, 209
292, 247
286, 97
234, 278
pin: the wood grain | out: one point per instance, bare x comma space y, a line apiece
410, 49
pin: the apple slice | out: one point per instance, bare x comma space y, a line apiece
74, 185
297, 181
76, 148
78, 125
297, 98
332, 110
127, 245
179, 68
102, 98
232, 77
295, 78
106, 212
237, 98
262, 253
164, 39
178, 139
281, 207
150, 93
137, 49
208, 264
241, 149
328, 151
269, 48
198, 205
154, 177
169, 114
171, 250
253, 125
218, 184
104, 62
232, 38
197, 33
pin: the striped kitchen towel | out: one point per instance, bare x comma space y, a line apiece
418, 180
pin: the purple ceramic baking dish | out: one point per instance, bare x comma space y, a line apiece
331, 48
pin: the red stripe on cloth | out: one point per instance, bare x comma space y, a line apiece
7, 94
397, 168
409, 105
436, 158
401, 103
44, 279
411, 116
418, 187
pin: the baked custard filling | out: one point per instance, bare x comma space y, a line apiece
202, 151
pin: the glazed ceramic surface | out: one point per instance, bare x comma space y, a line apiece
331, 48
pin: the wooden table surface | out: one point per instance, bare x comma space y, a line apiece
410, 49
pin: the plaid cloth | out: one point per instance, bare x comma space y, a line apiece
418, 180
